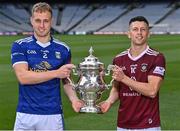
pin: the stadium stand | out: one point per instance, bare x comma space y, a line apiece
94, 17
71, 16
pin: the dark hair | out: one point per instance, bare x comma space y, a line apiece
139, 18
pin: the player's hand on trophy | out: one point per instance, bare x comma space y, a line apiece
118, 73
64, 71
77, 105
105, 106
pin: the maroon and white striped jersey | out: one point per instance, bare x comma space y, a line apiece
137, 111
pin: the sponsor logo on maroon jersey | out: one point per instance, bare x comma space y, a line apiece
131, 94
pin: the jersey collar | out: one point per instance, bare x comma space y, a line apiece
43, 44
139, 56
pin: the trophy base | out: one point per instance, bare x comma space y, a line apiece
88, 109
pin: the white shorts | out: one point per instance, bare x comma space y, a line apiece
145, 129
38, 122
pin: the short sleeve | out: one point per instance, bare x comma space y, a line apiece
17, 54
159, 66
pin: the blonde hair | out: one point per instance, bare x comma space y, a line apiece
41, 7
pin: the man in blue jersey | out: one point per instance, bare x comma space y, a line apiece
40, 62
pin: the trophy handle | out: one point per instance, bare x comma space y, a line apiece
110, 84
109, 69
71, 81
75, 71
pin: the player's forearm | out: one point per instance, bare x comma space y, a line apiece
70, 92
146, 89
113, 96
30, 77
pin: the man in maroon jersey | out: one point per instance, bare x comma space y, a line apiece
138, 74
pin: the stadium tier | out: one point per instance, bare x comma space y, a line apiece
94, 18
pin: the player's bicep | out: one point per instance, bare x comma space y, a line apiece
20, 70
155, 83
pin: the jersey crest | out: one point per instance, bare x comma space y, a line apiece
58, 54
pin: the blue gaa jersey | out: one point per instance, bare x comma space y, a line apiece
43, 98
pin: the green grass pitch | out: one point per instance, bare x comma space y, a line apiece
105, 48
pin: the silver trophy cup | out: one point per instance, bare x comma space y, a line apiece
91, 84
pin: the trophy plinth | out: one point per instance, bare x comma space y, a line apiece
91, 82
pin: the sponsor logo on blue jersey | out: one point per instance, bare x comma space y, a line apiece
41, 67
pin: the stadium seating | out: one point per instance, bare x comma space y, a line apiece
90, 18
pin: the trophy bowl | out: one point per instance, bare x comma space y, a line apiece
91, 84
